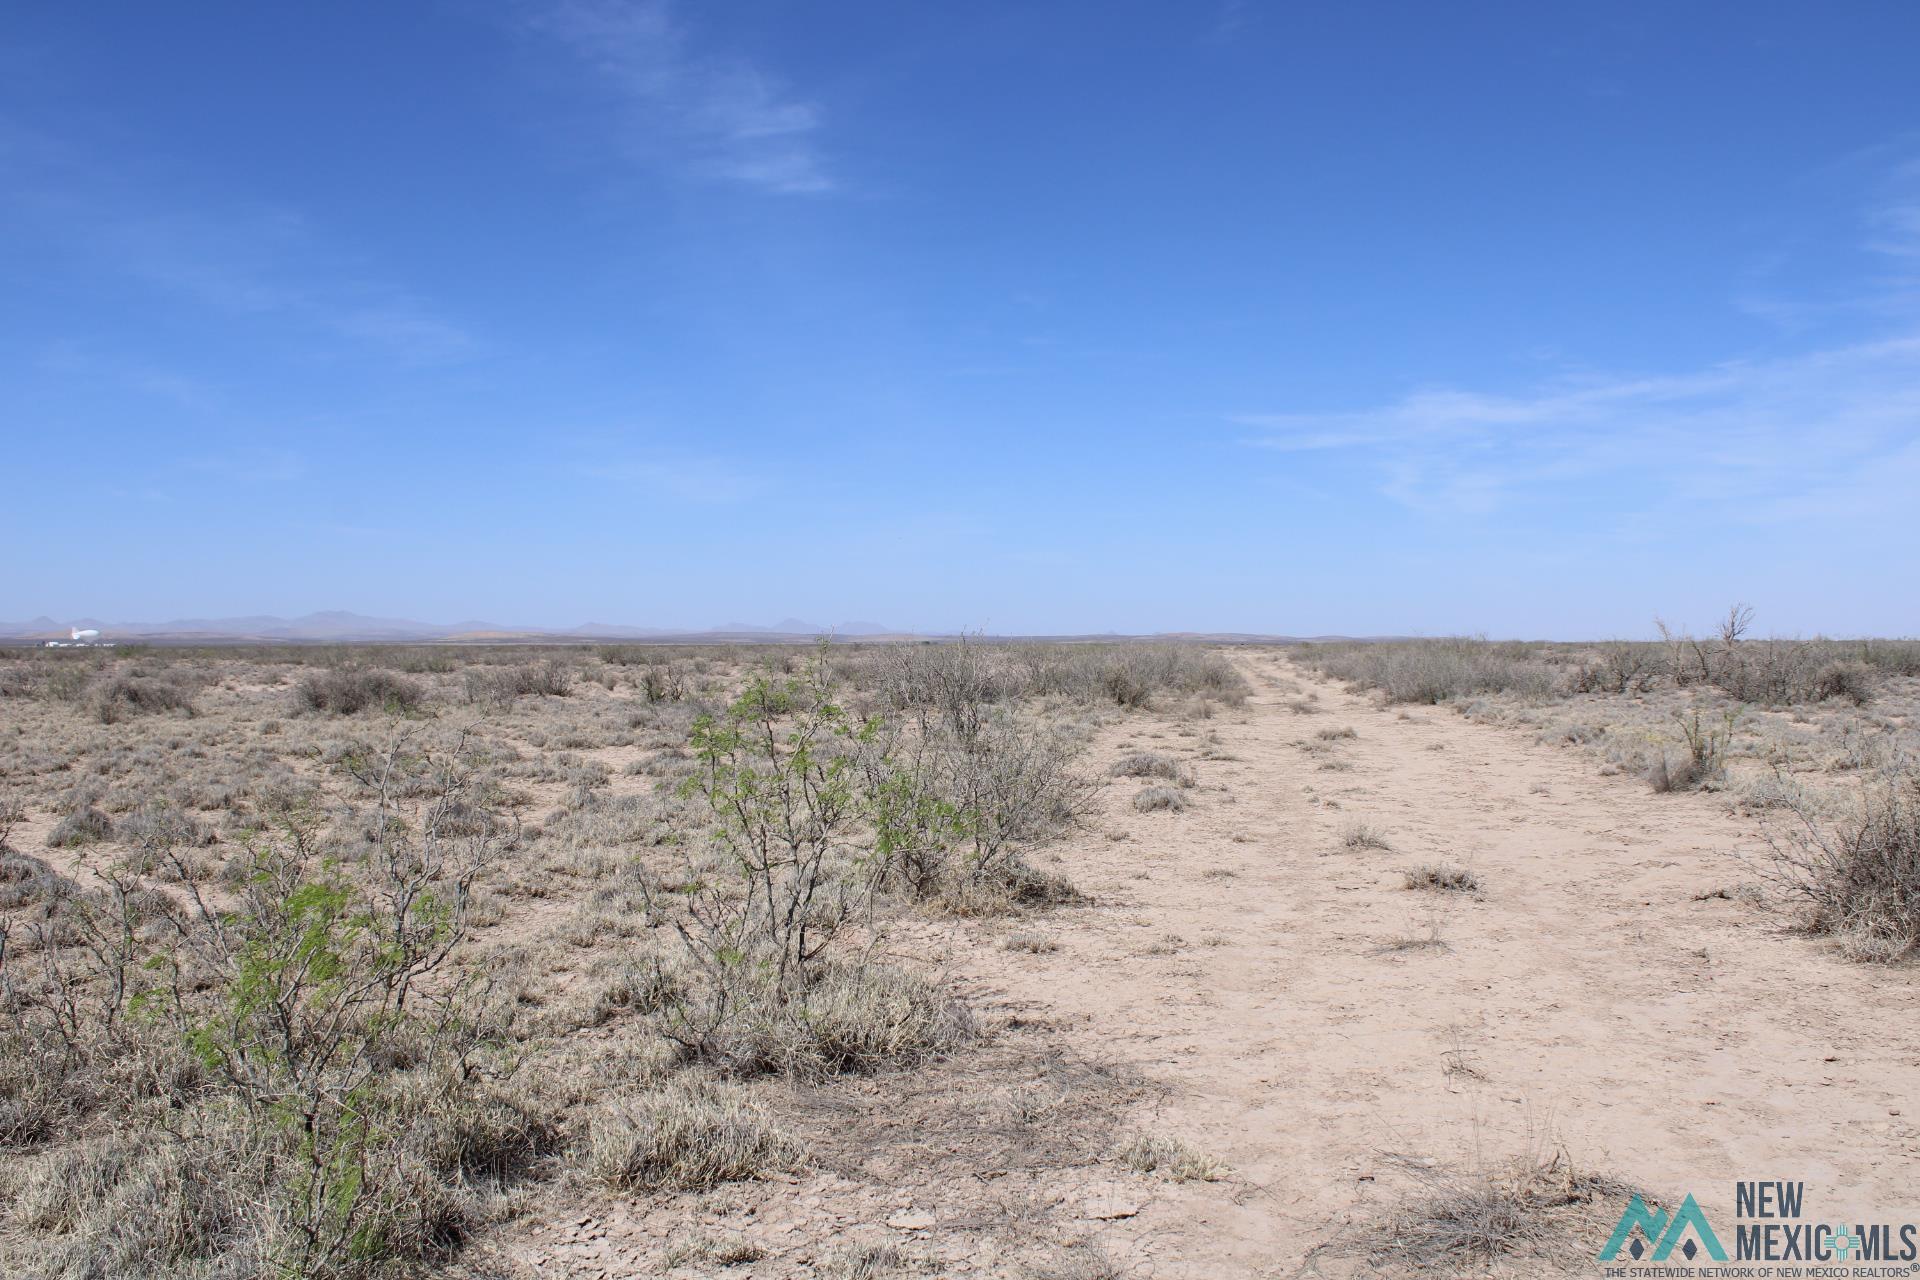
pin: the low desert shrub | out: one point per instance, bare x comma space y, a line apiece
1127, 675
806, 817
954, 822
1858, 874
1771, 672
117, 697
1848, 681
1706, 758
1435, 671
84, 826
347, 691
499, 686
1160, 800
954, 686
427, 661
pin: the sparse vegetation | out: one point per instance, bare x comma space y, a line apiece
301, 975
1769, 672
1730, 714
1533, 1206
266, 1024
1858, 873
269, 1023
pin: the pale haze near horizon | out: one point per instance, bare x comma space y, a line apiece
1026, 318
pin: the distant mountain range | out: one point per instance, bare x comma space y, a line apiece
339, 627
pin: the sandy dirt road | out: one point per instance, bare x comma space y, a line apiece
1674, 1041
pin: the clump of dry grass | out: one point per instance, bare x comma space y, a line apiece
720, 1251
1160, 800
1537, 1205
141, 1203
83, 826
24, 879
866, 1261
1172, 1158
873, 1016
1151, 764
1429, 936
843, 1018
686, 1136
1358, 834
1442, 877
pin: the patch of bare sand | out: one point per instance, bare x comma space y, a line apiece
1240, 955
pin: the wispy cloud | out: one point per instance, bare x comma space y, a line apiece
239, 258
1754, 440
271, 263
1895, 229
1882, 282
723, 118
1750, 440
1229, 17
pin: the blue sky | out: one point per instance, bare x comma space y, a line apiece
1526, 319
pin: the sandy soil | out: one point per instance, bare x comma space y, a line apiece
1234, 985
1599, 1002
